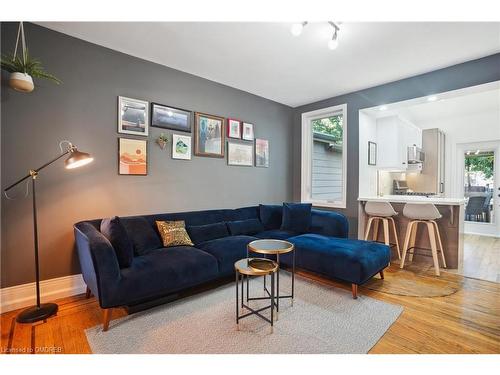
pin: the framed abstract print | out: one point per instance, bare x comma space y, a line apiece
181, 147
261, 153
233, 128
209, 135
133, 116
247, 130
240, 154
132, 156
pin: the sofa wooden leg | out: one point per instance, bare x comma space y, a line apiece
382, 274
106, 319
88, 293
354, 289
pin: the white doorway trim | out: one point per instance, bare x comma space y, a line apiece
484, 229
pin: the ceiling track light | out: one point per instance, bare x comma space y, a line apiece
297, 28
333, 43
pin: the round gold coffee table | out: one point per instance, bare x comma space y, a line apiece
254, 267
276, 248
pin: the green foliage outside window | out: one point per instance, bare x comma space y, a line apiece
332, 126
479, 163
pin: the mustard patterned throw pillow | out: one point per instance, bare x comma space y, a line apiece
173, 233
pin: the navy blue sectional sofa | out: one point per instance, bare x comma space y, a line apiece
220, 238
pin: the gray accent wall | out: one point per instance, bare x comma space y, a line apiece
84, 110
459, 76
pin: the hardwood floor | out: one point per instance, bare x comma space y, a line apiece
481, 258
465, 322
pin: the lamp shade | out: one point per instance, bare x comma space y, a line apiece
77, 159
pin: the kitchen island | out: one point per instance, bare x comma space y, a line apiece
451, 226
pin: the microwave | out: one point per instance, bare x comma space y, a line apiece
415, 155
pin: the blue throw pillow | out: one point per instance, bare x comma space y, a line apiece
202, 233
115, 232
245, 227
296, 217
143, 235
271, 215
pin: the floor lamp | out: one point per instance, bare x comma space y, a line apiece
76, 159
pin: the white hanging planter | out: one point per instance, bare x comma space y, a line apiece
21, 82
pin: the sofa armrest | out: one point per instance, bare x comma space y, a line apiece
329, 223
98, 262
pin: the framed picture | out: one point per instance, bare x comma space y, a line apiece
261, 153
132, 156
133, 116
372, 153
208, 135
170, 118
181, 147
247, 131
240, 154
233, 128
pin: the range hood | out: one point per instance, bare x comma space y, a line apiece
415, 155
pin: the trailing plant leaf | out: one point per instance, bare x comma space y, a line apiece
32, 66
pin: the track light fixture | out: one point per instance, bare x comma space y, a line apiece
333, 43
297, 28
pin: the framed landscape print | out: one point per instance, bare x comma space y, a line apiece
208, 135
247, 131
133, 116
261, 153
170, 118
233, 128
181, 147
132, 156
240, 154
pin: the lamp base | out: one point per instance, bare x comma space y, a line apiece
35, 314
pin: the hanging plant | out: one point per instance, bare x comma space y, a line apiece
162, 141
23, 68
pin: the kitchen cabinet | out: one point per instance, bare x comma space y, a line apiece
394, 136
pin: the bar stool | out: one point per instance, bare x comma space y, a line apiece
381, 211
427, 214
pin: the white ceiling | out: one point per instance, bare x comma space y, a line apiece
266, 60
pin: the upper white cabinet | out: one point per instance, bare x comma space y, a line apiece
394, 136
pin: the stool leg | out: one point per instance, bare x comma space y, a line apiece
407, 241
385, 222
432, 239
375, 228
440, 243
413, 237
368, 227
395, 236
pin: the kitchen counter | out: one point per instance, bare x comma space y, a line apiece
414, 198
451, 226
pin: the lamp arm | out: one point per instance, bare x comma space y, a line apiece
35, 171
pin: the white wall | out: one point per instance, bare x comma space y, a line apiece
479, 127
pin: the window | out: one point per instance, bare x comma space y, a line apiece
323, 181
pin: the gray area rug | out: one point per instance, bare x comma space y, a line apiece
323, 319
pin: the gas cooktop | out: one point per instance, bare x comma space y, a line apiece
414, 193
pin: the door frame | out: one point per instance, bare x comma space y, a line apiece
483, 229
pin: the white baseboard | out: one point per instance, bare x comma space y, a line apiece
19, 296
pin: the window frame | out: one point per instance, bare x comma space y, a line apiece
306, 156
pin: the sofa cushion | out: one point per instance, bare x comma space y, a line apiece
296, 217
248, 227
202, 233
173, 233
115, 232
227, 251
270, 215
354, 261
143, 235
276, 234
164, 271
